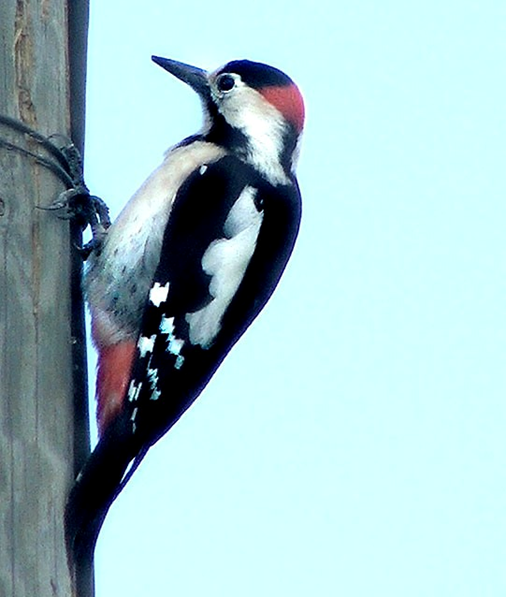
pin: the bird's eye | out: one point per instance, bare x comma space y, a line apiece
225, 83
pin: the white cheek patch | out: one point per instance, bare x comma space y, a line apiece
264, 127
226, 260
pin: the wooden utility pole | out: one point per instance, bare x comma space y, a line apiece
43, 423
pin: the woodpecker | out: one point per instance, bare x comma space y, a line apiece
184, 270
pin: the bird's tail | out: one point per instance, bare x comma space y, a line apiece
99, 483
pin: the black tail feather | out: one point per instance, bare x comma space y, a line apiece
97, 486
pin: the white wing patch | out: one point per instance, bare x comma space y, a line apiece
152, 375
134, 391
158, 293
146, 345
174, 345
226, 260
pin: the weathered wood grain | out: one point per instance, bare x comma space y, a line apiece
43, 438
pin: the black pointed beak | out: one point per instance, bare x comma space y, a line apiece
195, 77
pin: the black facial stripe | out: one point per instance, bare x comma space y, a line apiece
291, 138
223, 134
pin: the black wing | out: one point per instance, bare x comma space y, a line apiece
225, 247
226, 244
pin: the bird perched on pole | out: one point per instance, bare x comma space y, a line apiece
187, 266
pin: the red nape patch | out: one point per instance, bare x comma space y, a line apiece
288, 100
113, 375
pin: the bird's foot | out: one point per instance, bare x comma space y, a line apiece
78, 205
86, 210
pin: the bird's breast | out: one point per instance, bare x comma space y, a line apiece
119, 277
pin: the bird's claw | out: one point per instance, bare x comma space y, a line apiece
64, 160
87, 210
67, 203
77, 204
92, 246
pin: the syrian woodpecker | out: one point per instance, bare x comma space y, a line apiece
184, 270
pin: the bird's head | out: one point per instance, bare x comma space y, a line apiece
253, 109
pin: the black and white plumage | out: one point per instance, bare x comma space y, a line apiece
187, 266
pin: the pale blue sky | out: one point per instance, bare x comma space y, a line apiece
354, 442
